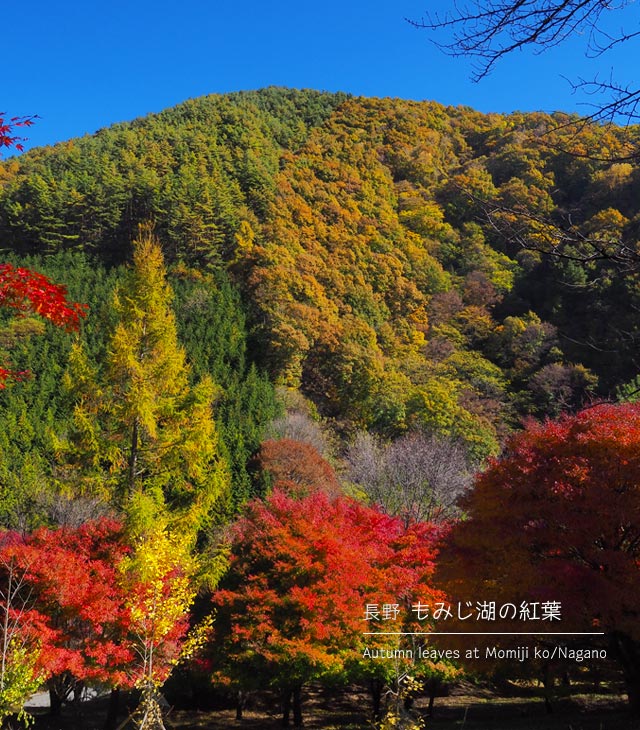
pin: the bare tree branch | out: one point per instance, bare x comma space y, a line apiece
418, 477
489, 30
624, 101
560, 238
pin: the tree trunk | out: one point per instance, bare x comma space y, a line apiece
149, 711
112, 711
241, 700
375, 685
548, 682
286, 706
626, 651
78, 692
60, 688
297, 706
55, 701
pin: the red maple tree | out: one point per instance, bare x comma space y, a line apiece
557, 519
301, 573
23, 632
73, 576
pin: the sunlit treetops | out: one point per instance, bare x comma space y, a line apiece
356, 231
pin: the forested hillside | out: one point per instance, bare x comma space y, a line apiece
343, 307
340, 246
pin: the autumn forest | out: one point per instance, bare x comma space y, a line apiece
298, 388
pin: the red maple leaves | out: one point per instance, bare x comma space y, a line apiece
7, 126
73, 576
301, 572
557, 518
564, 503
27, 291
74, 603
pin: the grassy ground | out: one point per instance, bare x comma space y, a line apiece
469, 707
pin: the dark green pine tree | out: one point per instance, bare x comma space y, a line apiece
212, 327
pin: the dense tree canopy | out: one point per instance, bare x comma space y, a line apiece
557, 518
301, 572
72, 577
357, 241
96, 604
338, 248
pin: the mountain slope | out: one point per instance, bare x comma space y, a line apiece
355, 230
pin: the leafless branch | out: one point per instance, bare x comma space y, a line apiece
558, 238
418, 477
489, 30
298, 426
624, 100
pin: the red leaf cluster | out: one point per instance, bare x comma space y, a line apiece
74, 607
28, 291
72, 574
7, 138
557, 518
301, 573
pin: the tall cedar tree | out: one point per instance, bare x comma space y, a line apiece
138, 425
557, 518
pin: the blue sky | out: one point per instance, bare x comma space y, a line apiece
81, 65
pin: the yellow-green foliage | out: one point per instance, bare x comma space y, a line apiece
397, 717
19, 679
158, 579
358, 232
137, 424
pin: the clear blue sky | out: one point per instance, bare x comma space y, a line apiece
84, 65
